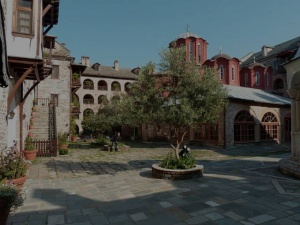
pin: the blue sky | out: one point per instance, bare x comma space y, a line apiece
135, 31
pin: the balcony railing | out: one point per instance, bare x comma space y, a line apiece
90, 87
102, 88
76, 82
88, 101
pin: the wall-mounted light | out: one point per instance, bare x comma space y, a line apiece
11, 115
24, 116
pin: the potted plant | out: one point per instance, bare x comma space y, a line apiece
13, 166
73, 129
62, 140
31, 125
30, 151
10, 199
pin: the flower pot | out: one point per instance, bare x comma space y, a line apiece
30, 126
30, 134
74, 138
63, 146
17, 181
30, 154
4, 211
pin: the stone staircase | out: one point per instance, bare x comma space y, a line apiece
40, 130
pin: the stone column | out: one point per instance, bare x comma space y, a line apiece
295, 125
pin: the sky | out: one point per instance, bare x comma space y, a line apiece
134, 32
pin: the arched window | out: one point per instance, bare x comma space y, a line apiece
102, 85
232, 73
267, 79
191, 51
243, 127
88, 99
221, 72
269, 127
199, 52
88, 112
246, 80
127, 86
102, 99
115, 86
88, 84
257, 78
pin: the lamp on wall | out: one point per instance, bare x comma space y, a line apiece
11, 114
24, 116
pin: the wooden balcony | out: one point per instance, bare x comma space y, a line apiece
76, 83
75, 109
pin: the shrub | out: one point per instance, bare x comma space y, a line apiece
12, 195
103, 141
12, 164
186, 162
29, 145
62, 138
63, 151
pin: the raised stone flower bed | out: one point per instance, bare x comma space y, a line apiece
290, 167
177, 174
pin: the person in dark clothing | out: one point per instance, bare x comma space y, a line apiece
115, 140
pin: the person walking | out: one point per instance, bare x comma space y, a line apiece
115, 139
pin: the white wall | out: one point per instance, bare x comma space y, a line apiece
20, 46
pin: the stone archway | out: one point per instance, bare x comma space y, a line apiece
291, 165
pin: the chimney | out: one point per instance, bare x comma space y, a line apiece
116, 65
85, 60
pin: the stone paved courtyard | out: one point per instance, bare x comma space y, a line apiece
241, 185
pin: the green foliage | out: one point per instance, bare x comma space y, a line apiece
75, 101
29, 145
75, 75
12, 195
180, 95
171, 162
108, 117
102, 141
63, 151
62, 138
12, 164
73, 127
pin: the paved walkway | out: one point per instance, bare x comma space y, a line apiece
241, 185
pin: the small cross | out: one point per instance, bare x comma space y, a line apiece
220, 50
187, 28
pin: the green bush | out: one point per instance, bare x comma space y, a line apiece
63, 151
186, 162
102, 141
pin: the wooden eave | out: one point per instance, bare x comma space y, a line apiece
50, 12
21, 65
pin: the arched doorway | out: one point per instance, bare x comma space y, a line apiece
243, 127
269, 127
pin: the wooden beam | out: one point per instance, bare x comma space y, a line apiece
37, 74
48, 7
16, 87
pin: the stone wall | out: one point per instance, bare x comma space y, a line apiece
61, 87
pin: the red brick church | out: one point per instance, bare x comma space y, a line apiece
257, 110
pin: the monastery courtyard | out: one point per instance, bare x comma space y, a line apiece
241, 185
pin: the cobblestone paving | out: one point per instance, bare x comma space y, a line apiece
241, 185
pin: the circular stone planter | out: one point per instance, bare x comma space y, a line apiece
290, 167
177, 174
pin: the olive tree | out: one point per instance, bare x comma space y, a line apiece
176, 94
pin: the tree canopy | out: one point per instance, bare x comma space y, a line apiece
175, 94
